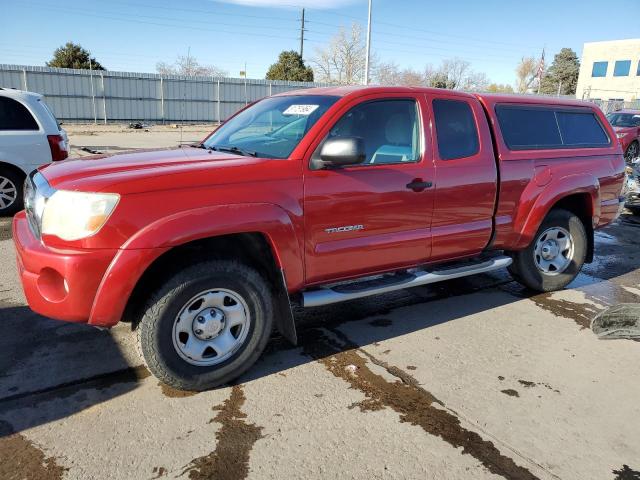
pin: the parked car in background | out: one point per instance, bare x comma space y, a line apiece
314, 197
626, 124
29, 137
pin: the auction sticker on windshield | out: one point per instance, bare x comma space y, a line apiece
300, 109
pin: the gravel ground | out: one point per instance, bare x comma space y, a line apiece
474, 378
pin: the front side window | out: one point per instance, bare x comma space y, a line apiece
599, 69
455, 129
15, 116
272, 128
390, 130
621, 68
533, 128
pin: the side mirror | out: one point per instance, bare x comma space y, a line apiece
342, 151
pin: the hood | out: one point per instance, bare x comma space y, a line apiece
144, 170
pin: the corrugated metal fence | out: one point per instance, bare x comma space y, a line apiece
103, 96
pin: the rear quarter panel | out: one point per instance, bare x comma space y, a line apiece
533, 181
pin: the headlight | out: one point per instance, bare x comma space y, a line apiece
75, 215
621, 135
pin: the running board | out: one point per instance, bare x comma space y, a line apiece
398, 281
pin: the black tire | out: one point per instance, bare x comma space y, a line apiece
634, 210
155, 330
524, 268
10, 178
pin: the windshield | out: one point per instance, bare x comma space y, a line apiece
624, 119
271, 128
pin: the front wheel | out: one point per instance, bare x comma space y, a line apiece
206, 325
555, 256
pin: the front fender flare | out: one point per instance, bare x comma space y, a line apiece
142, 249
536, 203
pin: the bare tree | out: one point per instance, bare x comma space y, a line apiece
526, 74
343, 60
391, 74
188, 65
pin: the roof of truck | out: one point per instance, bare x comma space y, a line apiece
342, 91
486, 98
493, 98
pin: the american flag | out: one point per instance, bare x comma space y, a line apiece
541, 66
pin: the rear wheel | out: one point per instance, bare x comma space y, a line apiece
555, 256
206, 325
11, 184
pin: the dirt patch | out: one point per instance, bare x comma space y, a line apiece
411, 367
511, 392
171, 392
21, 459
526, 383
230, 459
626, 473
414, 404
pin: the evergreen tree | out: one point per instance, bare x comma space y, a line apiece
290, 66
563, 74
73, 56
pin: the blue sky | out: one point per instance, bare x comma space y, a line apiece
134, 35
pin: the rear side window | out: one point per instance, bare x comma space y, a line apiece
15, 116
527, 128
455, 129
581, 129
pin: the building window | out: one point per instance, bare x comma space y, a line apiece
638, 71
622, 68
599, 69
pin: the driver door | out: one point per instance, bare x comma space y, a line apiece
371, 217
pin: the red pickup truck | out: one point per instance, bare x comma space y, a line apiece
314, 197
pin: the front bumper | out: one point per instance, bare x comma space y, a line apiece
57, 283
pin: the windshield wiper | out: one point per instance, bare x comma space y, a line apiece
234, 149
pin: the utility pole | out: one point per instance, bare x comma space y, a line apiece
302, 34
366, 63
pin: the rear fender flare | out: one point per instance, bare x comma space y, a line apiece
537, 202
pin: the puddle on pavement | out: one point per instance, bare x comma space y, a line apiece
171, 392
20, 458
414, 404
579, 312
529, 384
626, 473
235, 439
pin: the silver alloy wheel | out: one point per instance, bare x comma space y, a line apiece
211, 327
8, 192
553, 251
632, 151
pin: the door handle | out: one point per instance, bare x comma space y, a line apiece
418, 185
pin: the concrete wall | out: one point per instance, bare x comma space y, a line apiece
626, 88
103, 96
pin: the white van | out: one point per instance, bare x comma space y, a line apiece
29, 137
